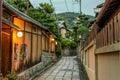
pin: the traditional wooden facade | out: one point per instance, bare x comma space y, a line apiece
101, 53
24, 49
62, 28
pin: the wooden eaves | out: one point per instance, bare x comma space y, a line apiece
25, 17
22, 15
108, 9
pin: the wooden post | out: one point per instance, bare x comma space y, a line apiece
0, 37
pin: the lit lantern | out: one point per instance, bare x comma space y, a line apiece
19, 34
53, 39
56, 43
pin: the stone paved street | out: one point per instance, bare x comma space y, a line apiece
66, 69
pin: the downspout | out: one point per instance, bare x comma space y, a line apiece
0, 38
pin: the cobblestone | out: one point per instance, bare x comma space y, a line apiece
66, 69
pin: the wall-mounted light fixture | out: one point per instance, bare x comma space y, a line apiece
56, 42
53, 39
19, 34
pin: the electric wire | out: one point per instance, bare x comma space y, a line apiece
51, 3
54, 10
66, 6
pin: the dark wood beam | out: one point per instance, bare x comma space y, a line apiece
0, 38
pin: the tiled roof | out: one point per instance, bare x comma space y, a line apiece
23, 16
108, 9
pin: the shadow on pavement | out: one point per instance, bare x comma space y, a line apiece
82, 71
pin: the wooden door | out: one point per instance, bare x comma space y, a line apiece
6, 52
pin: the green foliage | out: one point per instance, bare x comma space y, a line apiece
73, 44
80, 27
21, 5
83, 19
67, 43
58, 50
83, 30
43, 14
68, 17
34, 13
11, 76
47, 8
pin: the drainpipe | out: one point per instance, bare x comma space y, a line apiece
0, 38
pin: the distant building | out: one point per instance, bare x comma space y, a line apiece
62, 28
98, 9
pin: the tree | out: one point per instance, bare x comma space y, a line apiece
67, 43
44, 14
68, 17
82, 24
80, 28
47, 8
22, 5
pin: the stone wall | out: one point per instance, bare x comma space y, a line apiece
25, 75
46, 60
65, 52
69, 52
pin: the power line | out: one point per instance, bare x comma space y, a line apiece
66, 5
51, 3
54, 8
73, 5
79, 2
80, 6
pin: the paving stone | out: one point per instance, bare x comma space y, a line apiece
68, 73
66, 69
75, 79
50, 78
58, 78
53, 74
67, 77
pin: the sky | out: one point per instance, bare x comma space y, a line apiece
60, 6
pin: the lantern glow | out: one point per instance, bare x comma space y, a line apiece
56, 43
19, 34
53, 39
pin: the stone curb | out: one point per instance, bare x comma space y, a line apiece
42, 71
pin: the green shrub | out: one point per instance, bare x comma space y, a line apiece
11, 76
73, 44
67, 43
58, 50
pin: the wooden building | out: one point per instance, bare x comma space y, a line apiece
101, 53
62, 28
23, 40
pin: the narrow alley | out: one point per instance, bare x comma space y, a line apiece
66, 69
59, 39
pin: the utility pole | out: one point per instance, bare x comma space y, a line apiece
51, 3
0, 38
79, 2
80, 6
54, 11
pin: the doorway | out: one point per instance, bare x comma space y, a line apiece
6, 50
